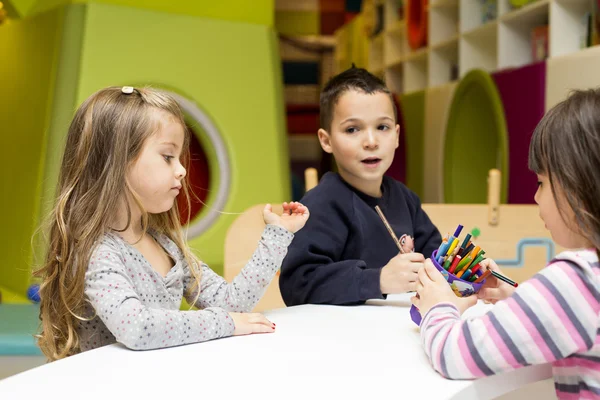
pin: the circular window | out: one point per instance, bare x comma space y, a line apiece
202, 163
198, 176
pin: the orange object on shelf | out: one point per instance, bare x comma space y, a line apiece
417, 23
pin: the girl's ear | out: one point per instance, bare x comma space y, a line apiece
397, 135
325, 140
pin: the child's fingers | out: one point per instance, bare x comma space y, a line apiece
416, 266
256, 318
418, 287
488, 263
415, 300
423, 277
260, 328
297, 208
490, 294
305, 211
301, 208
413, 257
432, 272
268, 209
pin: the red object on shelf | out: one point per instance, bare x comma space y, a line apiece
331, 21
332, 5
398, 168
539, 43
417, 23
349, 16
302, 118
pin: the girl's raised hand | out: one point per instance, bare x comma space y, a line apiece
494, 289
293, 218
249, 323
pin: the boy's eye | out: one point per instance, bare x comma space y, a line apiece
351, 129
383, 127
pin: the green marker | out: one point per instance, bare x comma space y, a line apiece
447, 264
464, 262
479, 258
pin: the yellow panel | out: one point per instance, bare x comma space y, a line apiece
256, 11
18, 8
298, 22
27, 73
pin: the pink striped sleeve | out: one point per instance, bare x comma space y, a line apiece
548, 318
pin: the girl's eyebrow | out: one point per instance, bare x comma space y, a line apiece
171, 144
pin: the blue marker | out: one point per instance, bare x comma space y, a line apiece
458, 231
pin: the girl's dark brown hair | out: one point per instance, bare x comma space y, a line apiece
566, 147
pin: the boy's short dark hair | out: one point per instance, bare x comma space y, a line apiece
351, 79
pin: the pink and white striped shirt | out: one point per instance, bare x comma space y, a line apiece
551, 318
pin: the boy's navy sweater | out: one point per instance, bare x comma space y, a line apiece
338, 256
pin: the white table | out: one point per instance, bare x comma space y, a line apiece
371, 351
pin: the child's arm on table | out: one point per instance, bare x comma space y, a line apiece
112, 295
549, 317
246, 289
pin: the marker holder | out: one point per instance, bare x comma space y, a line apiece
459, 286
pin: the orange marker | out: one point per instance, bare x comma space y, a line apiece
483, 276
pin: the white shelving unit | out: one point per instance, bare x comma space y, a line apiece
459, 39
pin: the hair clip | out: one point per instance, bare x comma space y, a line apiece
127, 89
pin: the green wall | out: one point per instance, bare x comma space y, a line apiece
56, 59
413, 112
29, 50
255, 11
231, 70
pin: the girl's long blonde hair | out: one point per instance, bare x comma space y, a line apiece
106, 136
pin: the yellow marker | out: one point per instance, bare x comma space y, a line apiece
452, 246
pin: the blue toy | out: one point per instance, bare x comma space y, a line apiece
33, 293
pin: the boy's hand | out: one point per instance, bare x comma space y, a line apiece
246, 324
293, 218
433, 289
400, 273
494, 289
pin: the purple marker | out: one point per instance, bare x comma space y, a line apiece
458, 231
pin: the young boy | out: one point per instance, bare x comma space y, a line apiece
344, 254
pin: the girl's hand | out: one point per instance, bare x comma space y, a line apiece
494, 289
293, 218
249, 323
433, 289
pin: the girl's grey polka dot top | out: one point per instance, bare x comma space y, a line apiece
131, 303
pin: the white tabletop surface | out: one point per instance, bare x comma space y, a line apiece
370, 351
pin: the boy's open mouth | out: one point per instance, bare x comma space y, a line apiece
371, 160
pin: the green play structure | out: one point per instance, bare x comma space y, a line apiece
476, 141
221, 60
